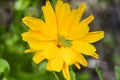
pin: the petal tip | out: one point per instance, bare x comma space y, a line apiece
25, 18
101, 34
35, 60
95, 55
92, 16
83, 5
29, 50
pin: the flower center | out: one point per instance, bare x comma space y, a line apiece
62, 42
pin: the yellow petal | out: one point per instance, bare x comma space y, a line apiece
38, 25
67, 23
78, 31
38, 57
77, 65
82, 60
68, 55
29, 50
95, 55
56, 64
35, 36
50, 51
78, 14
83, 47
32, 23
88, 19
72, 20
92, 36
62, 10
65, 71
50, 17
39, 45
81, 10
48, 66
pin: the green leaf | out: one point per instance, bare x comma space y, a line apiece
72, 75
84, 75
53, 2
42, 67
4, 67
21, 4
99, 73
117, 72
55, 75
4, 78
31, 11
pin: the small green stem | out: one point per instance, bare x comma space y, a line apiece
99, 73
56, 76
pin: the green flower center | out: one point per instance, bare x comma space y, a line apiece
62, 42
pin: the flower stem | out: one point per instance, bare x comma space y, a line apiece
55, 75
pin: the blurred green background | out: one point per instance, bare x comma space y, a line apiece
15, 65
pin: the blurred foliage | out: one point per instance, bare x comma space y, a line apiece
15, 65
4, 69
99, 73
72, 75
117, 72
12, 47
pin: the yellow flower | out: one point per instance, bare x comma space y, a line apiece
61, 38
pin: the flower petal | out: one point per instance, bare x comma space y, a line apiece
78, 31
29, 50
83, 47
82, 60
35, 36
32, 23
67, 23
50, 52
88, 19
50, 17
78, 14
39, 45
56, 64
77, 65
92, 36
65, 71
62, 10
38, 25
48, 66
71, 20
68, 55
38, 57
95, 55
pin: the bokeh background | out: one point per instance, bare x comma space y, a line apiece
15, 65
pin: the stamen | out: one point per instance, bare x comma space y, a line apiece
62, 42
